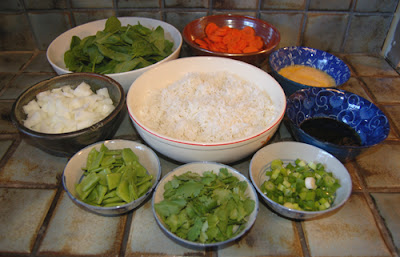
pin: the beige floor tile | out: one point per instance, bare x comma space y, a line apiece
271, 235
349, 232
21, 215
74, 231
389, 208
30, 165
384, 90
365, 65
380, 166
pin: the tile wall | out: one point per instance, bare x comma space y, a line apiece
346, 26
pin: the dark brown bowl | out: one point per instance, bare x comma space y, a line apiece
66, 144
270, 35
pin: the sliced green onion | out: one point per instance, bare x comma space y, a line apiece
300, 185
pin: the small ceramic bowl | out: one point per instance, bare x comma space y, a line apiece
67, 144
299, 55
57, 48
369, 123
200, 168
288, 152
73, 173
270, 35
225, 151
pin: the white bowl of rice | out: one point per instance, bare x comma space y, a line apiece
206, 109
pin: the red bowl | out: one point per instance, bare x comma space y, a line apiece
270, 35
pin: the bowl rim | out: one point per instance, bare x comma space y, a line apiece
299, 212
99, 209
290, 48
335, 91
178, 44
54, 136
276, 121
236, 16
216, 164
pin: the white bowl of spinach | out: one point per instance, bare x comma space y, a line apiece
121, 48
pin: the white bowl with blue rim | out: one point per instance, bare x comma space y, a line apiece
368, 122
307, 56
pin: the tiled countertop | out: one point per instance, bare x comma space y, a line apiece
38, 219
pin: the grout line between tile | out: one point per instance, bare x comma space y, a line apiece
303, 241
125, 238
42, 231
385, 233
383, 230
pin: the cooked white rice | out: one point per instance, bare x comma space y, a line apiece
209, 107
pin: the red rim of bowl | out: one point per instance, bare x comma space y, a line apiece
174, 140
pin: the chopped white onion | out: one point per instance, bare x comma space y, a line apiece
64, 109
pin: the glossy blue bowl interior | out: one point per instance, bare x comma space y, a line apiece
299, 55
369, 122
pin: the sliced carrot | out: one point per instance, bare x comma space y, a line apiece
215, 38
257, 42
250, 49
200, 42
248, 31
222, 31
211, 28
241, 44
231, 40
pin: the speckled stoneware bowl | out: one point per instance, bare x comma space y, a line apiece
299, 55
200, 168
288, 152
73, 173
67, 144
270, 35
368, 121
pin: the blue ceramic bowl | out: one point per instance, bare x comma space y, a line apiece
367, 120
299, 55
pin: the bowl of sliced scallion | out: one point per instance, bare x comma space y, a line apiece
205, 204
121, 48
300, 181
111, 177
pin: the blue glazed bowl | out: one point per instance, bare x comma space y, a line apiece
299, 55
367, 120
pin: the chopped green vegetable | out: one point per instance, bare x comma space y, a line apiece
117, 49
300, 185
112, 178
205, 208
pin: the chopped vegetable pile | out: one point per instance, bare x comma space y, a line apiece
205, 208
302, 186
113, 178
64, 109
117, 49
230, 40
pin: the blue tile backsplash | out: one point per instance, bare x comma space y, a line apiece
348, 26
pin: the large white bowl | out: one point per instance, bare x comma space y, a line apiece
200, 168
289, 152
57, 48
188, 151
73, 173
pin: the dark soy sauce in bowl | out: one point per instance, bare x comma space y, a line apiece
331, 131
